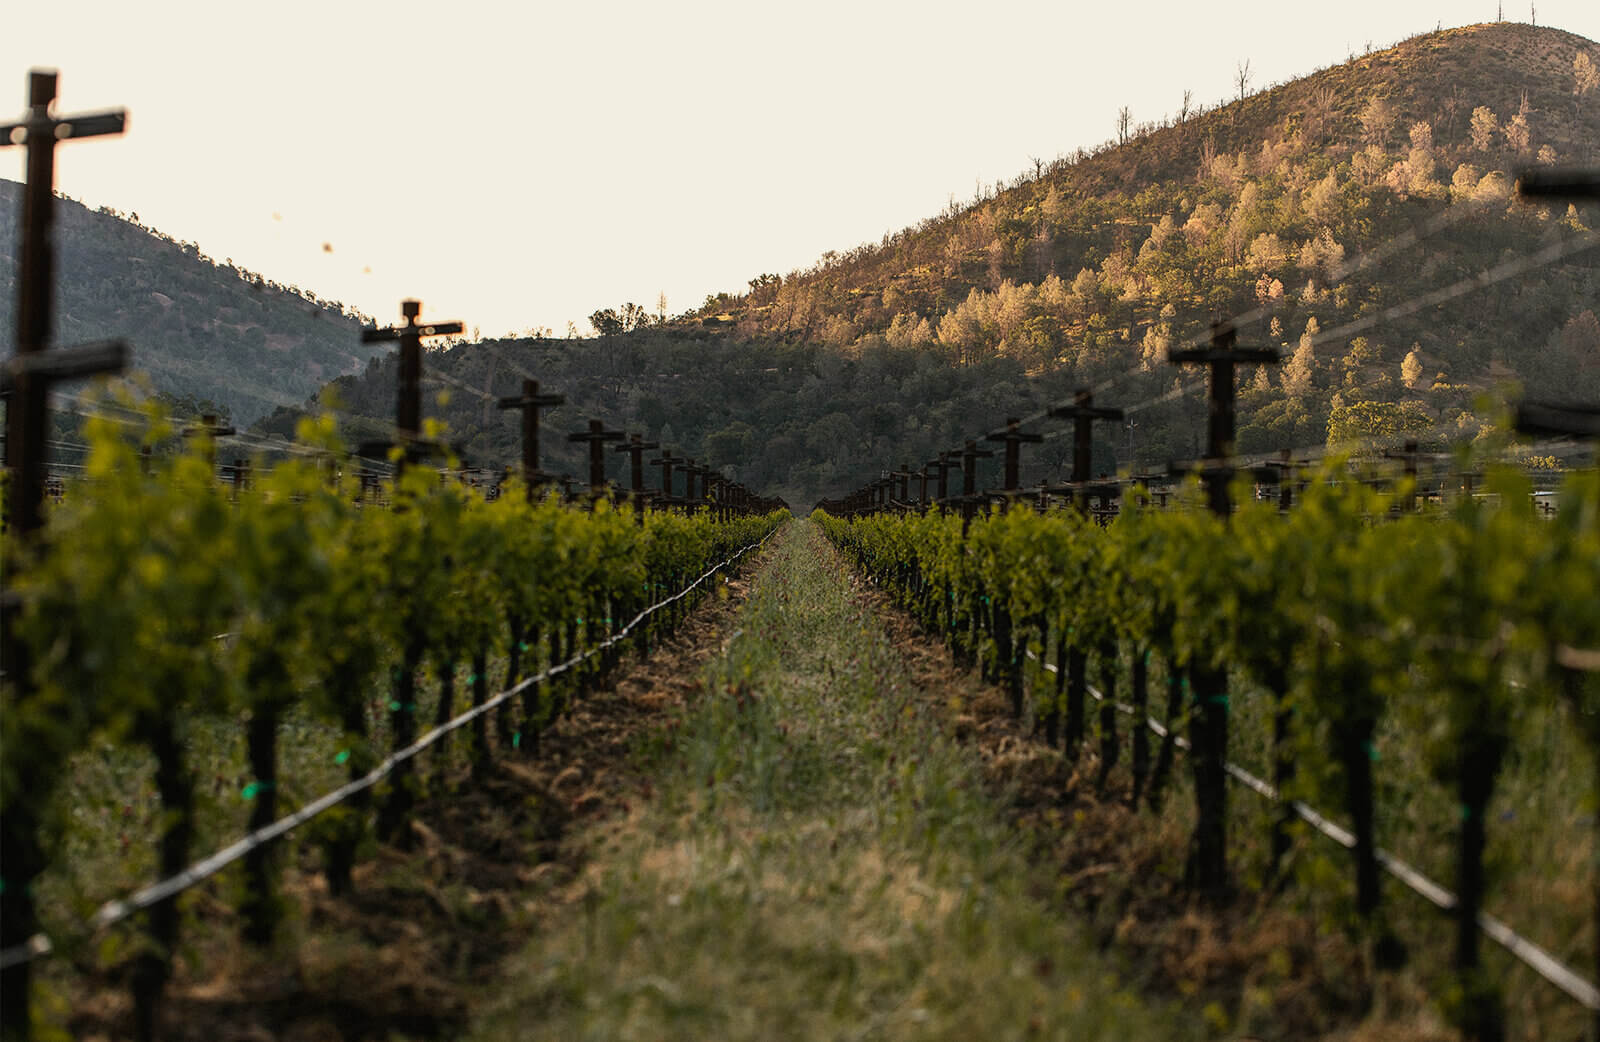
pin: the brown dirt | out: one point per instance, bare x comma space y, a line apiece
1257, 965
426, 927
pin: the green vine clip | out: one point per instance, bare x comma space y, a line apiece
255, 788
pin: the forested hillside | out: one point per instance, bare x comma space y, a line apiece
1362, 220
199, 328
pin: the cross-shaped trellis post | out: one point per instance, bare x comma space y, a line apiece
208, 430
666, 461
408, 403
941, 490
882, 490
1072, 660
635, 447
28, 378
1576, 421
530, 402
35, 368
902, 498
1083, 413
238, 474
1208, 726
693, 499
1222, 357
970, 455
596, 436
1408, 461
1014, 439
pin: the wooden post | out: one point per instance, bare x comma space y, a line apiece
635, 447
1083, 413
970, 455
596, 436
28, 376
693, 499
408, 398
1208, 719
27, 417
1408, 460
238, 474
530, 402
941, 490
666, 461
208, 429
1014, 439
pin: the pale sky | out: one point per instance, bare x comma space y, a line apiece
521, 165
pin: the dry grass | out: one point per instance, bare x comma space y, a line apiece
821, 861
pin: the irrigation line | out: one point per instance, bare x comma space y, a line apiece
1531, 954
114, 911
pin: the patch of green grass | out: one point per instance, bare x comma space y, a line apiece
821, 862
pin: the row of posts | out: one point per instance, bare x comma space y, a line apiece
1208, 721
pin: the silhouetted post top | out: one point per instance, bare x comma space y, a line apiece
1559, 182
30, 373
408, 407
596, 436
1013, 438
530, 402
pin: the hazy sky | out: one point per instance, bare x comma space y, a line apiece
522, 164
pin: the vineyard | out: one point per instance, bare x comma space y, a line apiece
212, 633
1412, 670
355, 741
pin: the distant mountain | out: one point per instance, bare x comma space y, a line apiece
1084, 271
199, 328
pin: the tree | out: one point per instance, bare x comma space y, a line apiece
1411, 369
1374, 421
1518, 136
1241, 77
1266, 253
1518, 133
1586, 77
1483, 127
1567, 368
1124, 121
611, 321
1323, 202
1376, 119
1303, 365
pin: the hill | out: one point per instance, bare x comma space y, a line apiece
200, 329
1361, 219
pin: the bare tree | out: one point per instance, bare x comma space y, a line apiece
1124, 120
1183, 111
1241, 77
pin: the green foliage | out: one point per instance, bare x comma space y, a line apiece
159, 606
1361, 612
